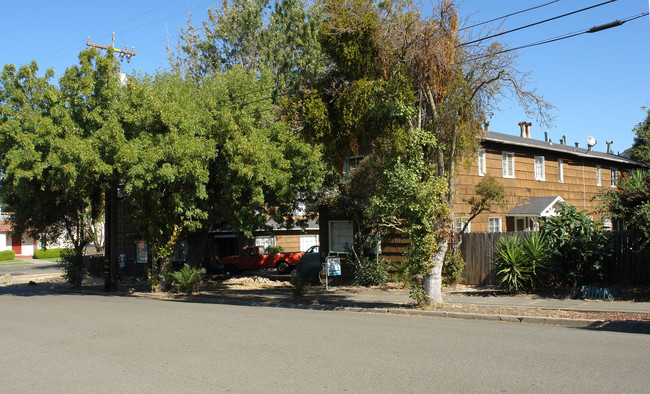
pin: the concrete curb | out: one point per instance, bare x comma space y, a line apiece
555, 321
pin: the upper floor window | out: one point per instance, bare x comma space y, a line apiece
598, 183
613, 177
560, 171
540, 172
508, 164
481, 162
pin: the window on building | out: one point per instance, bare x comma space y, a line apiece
613, 177
560, 171
351, 163
598, 176
494, 225
481, 162
540, 171
265, 241
508, 164
460, 222
340, 235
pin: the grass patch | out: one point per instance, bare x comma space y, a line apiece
15, 262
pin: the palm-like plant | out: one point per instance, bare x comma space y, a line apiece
188, 278
509, 261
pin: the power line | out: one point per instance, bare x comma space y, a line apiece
535, 24
593, 29
509, 15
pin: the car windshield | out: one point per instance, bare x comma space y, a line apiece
313, 249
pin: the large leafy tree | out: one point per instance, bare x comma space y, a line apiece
51, 174
640, 149
255, 35
400, 79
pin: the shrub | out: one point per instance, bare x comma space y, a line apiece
73, 269
188, 279
368, 268
580, 246
512, 272
298, 284
53, 253
452, 269
274, 249
6, 255
538, 253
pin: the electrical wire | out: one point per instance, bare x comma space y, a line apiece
593, 29
509, 15
535, 24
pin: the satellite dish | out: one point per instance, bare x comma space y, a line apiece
591, 141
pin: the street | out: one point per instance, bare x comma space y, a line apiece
56, 342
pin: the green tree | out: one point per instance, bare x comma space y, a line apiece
401, 78
282, 38
640, 149
49, 171
488, 193
629, 203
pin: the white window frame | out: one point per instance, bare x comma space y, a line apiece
508, 164
338, 241
598, 179
265, 240
613, 177
560, 170
481, 162
460, 222
497, 228
540, 168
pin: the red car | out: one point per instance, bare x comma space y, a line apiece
254, 258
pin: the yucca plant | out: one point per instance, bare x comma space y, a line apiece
188, 279
509, 259
537, 250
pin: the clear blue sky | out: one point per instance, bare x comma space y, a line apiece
598, 82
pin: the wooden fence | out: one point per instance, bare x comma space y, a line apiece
629, 266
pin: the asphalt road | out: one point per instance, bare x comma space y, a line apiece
106, 343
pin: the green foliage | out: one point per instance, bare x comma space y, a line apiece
640, 149
509, 261
452, 270
73, 269
580, 245
298, 284
488, 193
522, 263
274, 249
7, 255
368, 268
49, 253
630, 203
188, 279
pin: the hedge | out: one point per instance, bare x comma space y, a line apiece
7, 255
53, 253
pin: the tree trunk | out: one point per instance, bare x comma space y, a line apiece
433, 280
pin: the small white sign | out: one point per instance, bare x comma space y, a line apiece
333, 266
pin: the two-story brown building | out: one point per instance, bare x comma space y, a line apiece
536, 175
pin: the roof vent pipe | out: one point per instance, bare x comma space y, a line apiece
546, 136
577, 145
527, 129
609, 146
522, 129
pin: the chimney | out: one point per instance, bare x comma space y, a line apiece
564, 139
609, 146
528, 129
546, 136
486, 126
522, 129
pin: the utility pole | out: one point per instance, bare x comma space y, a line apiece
124, 54
111, 266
